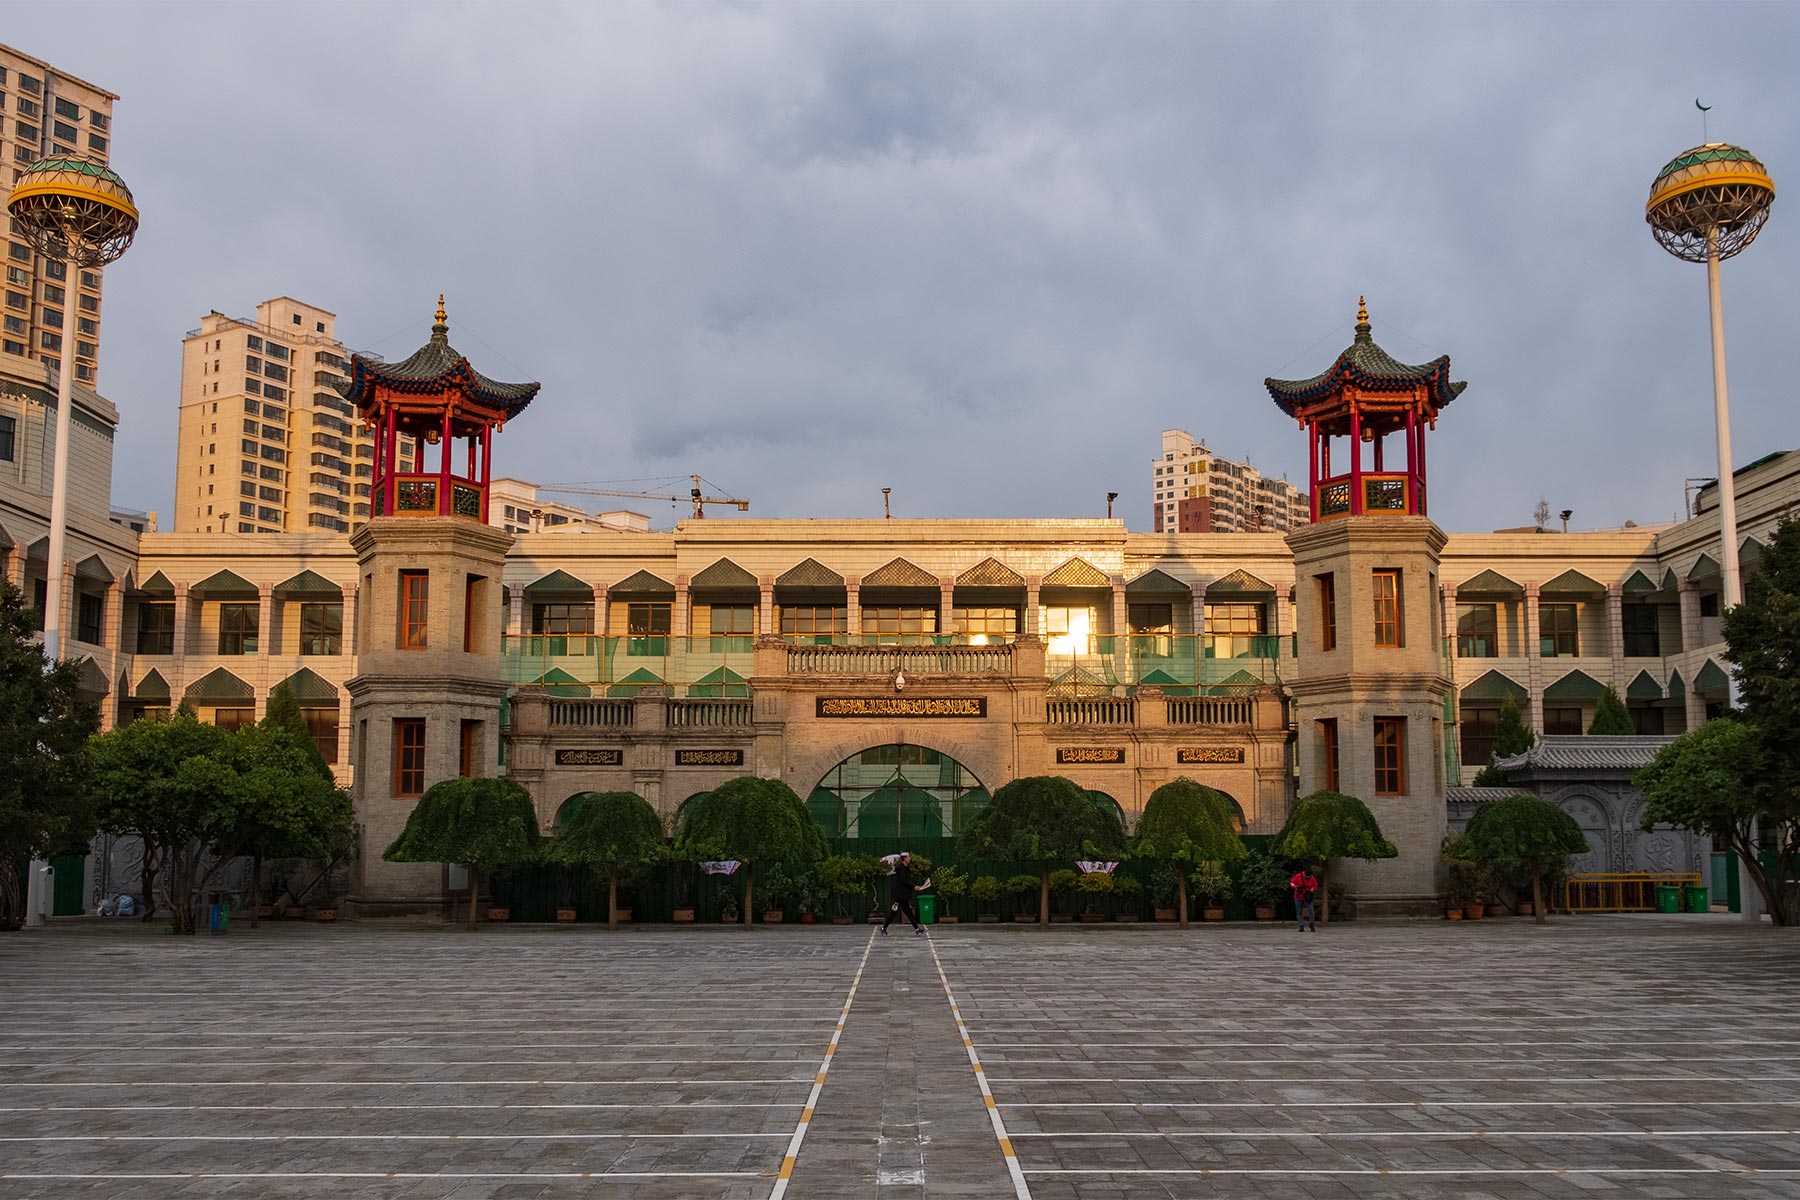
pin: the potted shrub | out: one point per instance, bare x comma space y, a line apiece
1094, 886
847, 877
1522, 829
985, 890
1213, 887
1187, 825
809, 897
1063, 881
568, 879
951, 885
682, 875
777, 890
1263, 882
1163, 886
1025, 894
1461, 882
728, 908
1130, 892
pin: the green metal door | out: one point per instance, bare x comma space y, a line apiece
71, 872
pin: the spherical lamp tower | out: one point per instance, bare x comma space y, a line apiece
1706, 205
77, 210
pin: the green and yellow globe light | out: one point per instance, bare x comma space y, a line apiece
77, 210
1707, 205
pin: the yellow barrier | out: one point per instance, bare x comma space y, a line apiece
1621, 891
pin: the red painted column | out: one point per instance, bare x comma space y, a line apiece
1312, 467
1356, 458
1420, 470
444, 457
389, 487
487, 467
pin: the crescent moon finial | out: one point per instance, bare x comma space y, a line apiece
1700, 106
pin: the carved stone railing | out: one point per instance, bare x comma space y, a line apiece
1097, 710
912, 660
1211, 710
706, 714
592, 714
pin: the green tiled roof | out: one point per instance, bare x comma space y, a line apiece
990, 572
1495, 686
1677, 689
1705, 567
1712, 678
219, 686
558, 581
224, 582
1157, 582
642, 583
1644, 687
1368, 366
1639, 582
723, 574
1576, 685
157, 585
308, 583
152, 687
433, 367
809, 573
900, 574
1077, 572
1716, 152
1239, 581
306, 685
1573, 583
1490, 581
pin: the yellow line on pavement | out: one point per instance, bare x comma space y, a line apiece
1020, 1190
812, 1101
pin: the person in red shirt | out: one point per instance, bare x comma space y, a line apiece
1305, 886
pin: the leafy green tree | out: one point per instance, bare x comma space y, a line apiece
1511, 736
751, 820
304, 814
482, 823
850, 875
1521, 829
1724, 780
1186, 824
44, 732
1328, 825
1042, 818
1611, 717
615, 832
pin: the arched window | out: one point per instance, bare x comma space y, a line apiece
896, 791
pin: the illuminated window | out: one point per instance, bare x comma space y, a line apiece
1232, 630
986, 626
1386, 595
414, 608
1390, 756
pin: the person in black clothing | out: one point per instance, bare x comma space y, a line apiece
902, 899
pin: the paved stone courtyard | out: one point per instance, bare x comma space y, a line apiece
1619, 1057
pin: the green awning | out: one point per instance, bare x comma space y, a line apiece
1490, 582
224, 583
308, 686
1705, 568
218, 687
1644, 688
308, 583
1639, 582
1495, 686
1677, 688
1576, 685
559, 581
1572, 583
629, 686
1712, 678
152, 687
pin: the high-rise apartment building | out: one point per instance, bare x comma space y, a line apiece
1196, 491
267, 444
45, 111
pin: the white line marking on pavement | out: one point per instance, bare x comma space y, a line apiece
286, 1083
1020, 1188
1400, 1104
189, 1175
1438, 1172
1400, 1133
373, 1137
372, 1107
437, 1062
1313, 1080
812, 1099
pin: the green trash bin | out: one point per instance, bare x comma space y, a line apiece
1668, 898
1694, 899
928, 909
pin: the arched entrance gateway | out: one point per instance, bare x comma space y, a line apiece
896, 790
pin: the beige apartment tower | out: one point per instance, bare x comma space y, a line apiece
267, 442
45, 111
1197, 491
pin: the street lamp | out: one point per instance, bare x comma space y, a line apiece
1706, 205
77, 210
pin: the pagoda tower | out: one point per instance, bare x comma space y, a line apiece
1374, 679
425, 704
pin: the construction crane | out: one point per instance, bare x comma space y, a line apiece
699, 501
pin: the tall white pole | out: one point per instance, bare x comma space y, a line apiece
1728, 559
65, 403
59, 483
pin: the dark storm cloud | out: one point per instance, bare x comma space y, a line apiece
980, 254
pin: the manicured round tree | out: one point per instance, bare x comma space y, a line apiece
1328, 825
752, 820
1186, 824
483, 823
1042, 818
1521, 829
1611, 717
611, 832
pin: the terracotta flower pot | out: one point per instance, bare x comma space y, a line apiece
1265, 912
1025, 918
1166, 914
565, 915
728, 918
1212, 912
1453, 914
1496, 910
843, 920
1092, 918
1474, 912
295, 911
1527, 908
264, 911
684, 916
948, 920
1125, 917
807, 918
771, 916
496, 913
987, 918
326, 915
624, 915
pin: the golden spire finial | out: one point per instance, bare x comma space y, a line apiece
1362, 311
440, 311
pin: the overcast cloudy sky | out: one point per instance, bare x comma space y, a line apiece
981, 254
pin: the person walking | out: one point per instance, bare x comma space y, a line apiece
1305, 886
901, 899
